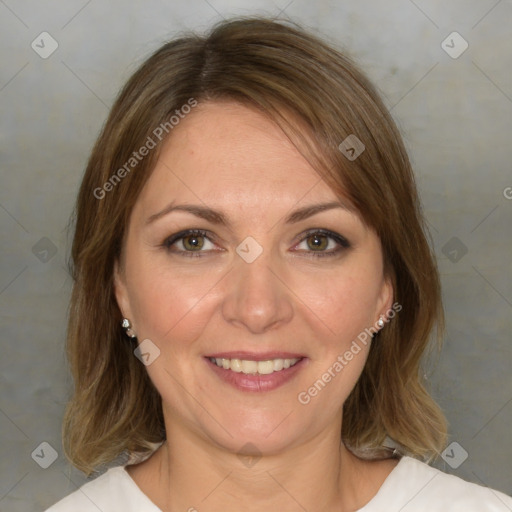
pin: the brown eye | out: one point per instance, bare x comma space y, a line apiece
317, 242
193, 242
321, 242
189, 243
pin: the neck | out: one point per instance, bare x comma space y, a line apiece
190, 473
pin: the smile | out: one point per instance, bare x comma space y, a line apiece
260, 372
249, 367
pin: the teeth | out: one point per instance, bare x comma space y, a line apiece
236, 365
278, 364
249, 366
265, 367
254, 367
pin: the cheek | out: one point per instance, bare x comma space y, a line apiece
170, 305
341, 305
343, 302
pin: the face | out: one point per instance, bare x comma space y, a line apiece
239, 261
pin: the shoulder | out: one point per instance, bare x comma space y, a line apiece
110, 492
413, 486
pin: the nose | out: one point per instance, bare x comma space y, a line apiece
257, 298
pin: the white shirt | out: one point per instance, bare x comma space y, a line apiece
412, 486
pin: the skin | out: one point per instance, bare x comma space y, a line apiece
232, 159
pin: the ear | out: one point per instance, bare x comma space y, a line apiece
385, 300
121, 291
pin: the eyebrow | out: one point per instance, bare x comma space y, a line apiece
217, 217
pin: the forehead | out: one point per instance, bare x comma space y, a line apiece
228, 155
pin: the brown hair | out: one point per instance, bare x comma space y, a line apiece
289, 75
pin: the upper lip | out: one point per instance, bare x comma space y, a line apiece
253, 356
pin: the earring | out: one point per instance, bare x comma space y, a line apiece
380, 323
127, 326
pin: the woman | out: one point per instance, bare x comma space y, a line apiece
254, 291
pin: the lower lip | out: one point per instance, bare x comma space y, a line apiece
260, 383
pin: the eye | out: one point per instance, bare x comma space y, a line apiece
189, 242
321, 242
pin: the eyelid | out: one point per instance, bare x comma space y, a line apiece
176, 237
340, 240
326, 232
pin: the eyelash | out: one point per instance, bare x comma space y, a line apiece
169, 242
342, 242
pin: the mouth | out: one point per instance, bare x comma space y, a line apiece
256, 372
251, 367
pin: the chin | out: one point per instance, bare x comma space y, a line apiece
264, 433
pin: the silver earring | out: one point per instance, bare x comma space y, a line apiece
380, 323
127, 326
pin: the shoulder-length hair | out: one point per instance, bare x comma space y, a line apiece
319, 97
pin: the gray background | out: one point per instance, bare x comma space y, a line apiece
456, 116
